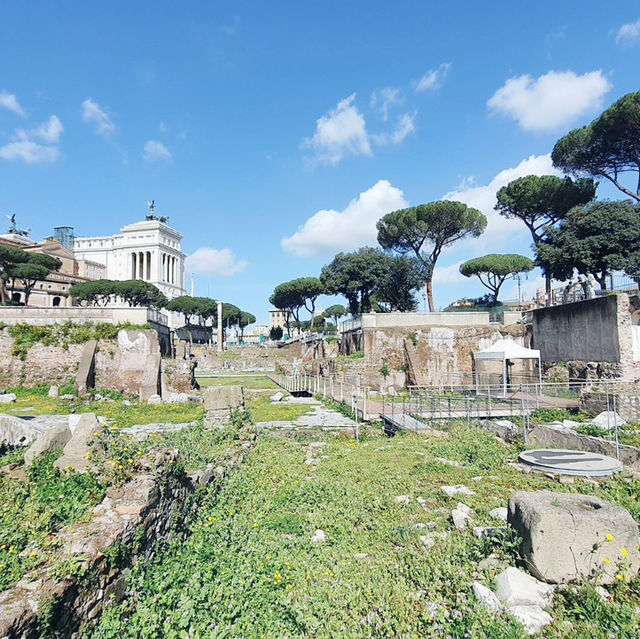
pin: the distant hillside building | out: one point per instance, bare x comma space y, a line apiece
148, 250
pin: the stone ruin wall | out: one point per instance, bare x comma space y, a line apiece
136, 518
42, 364
440, 355
243, 358
131, 364
592, 339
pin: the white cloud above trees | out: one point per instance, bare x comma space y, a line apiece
154, 150
49, 131
93, 113
36, 146
550, 102
628, 33
483, 198
214, 262
10, 101
29, 152
329, 231
433, 78
340, 132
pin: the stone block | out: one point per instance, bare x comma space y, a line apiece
74, 454
567, 537
50, 440
223, 398
17, 432
54, 391
8, 398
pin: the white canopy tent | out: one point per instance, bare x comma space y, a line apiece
505, 350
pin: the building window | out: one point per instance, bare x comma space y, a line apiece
56, 301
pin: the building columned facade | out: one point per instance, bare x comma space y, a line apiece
149, 250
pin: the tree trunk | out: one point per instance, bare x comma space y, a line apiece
432, 308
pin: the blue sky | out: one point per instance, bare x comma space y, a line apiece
274, 135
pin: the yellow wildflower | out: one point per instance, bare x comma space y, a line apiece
609, 537
619, 577
624, 552
606, 560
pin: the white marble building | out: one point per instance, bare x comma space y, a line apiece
148, 250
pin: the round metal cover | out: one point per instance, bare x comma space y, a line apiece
571, 462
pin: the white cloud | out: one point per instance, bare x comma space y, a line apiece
550, 102
50, 131
154, 150
92, 112
340, 132
209, 261
9, 101
29, 152
405, 126
448, 274
433, 78
329, 231
628, 33
483, 198
384, 99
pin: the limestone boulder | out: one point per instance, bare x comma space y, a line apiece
50, 440
18, 432
567, 537
74, 454
8, 398
54, 391
223, 398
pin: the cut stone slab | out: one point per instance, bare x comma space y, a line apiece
459, 518
154, 399
54, 391
486, 597
18, 432
223, 398
570, 462
459, 489
52, 439
517, 588
608, 420
8, 398
74, 454
533, 618
278, 397
568, 537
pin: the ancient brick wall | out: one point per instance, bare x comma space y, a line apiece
42, 364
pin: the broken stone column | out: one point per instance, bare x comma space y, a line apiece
219, 401
569, 537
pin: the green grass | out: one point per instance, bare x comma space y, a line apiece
26, 335
263, 410
34, 401
33, 510
250, 570
248, 381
